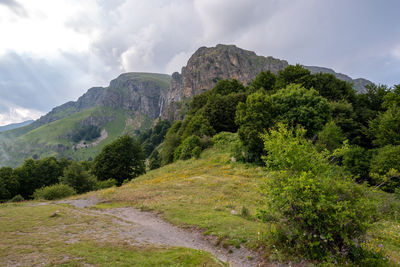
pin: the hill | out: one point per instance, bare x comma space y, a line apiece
129, 104
213, 195
14, 125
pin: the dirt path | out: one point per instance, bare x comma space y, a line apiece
149, 229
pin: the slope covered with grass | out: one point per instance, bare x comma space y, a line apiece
221, 197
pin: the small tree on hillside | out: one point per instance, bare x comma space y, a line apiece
122, 159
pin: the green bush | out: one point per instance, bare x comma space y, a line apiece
356, 160
185, 150
105, 184
330, 137
17, 198
321, 212
55, 191
385, 166
78, 178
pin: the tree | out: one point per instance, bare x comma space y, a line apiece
293, 74
330, 137
121, 160
8, 184
253, 118
265, 80
385, 128
76, 176
299, 106
34, 174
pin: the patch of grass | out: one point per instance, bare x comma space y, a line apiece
208, 193
384, 237
32, 235
220, 197
109, 255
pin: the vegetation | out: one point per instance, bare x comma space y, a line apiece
296, 163
121, 160
55, 191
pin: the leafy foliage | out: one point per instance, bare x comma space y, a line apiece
76, 176
330, 137
321, 212
188, 149
55, 191
121, 160
387, 161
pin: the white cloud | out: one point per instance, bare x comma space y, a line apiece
19, 114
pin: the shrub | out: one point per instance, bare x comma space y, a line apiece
154, 160
55, 191
321, 212
330, 137
356, 160
385, 166
185, 150
105, 184
17, 198
78, 178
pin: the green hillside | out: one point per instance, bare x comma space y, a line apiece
213, 194
127, 106
53, 139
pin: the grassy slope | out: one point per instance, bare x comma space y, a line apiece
41, 140
211, 193
31, 236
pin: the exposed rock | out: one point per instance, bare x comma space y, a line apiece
209, 65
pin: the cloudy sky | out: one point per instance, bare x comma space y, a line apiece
52, 51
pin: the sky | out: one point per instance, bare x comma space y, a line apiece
52, 51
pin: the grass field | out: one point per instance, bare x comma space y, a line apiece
33, 236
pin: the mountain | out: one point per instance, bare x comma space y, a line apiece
208, 65
14, 125
129, 104
132, 102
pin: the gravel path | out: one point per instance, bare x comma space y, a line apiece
149, 229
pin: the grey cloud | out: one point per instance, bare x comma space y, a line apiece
15, 7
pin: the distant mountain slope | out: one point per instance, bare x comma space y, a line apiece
14, 125
130, 103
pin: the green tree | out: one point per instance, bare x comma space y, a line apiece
385, 168
299, 106
330, 87
226, 87
76, 176
264, 80
121, 160
293, 74
330, 137
9, 185
253, 118
34, 174
385, 128
220, 111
